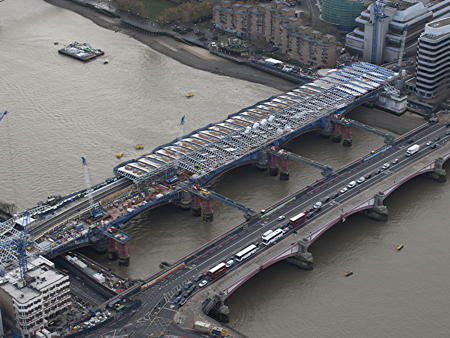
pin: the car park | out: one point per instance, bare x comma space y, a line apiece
351, 184
360, 180
385, 166
203, 283
395, 161
343, 190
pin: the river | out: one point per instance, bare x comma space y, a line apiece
61, 109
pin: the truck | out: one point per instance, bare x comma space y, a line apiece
412, 150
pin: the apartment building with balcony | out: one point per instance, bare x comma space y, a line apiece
390, 28
45, 295
283, 26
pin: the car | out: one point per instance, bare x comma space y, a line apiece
434, 145
436, 138
317, 205
202, 283
229, 263
343, 190
282, 217
263, 211
326, 199
196, 279
411, 140
448, 125
351, 184
336, 194
368, 176
385, 166
360, 180
448, 132
188, 284
377, 172
395, 161
428, 143
310, 210
178, 293
177, 300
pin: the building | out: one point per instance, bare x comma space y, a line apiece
390, 29
45, 295
433, 61
342, 12
284, 26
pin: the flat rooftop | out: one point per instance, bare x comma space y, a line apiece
41, 272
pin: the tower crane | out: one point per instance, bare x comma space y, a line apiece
94, 210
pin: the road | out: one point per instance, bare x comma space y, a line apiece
156, 313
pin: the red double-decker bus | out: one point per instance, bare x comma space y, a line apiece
298, 219
217, 271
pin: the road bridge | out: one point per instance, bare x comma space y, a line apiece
382, 173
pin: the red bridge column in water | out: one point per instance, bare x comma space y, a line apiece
112, 250
347, 136
336, 136
273, 165
124, 255
207, 210
284, 169
196, 208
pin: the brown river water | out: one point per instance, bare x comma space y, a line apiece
61, 109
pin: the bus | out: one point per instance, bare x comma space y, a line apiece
298, 219
217, 271
247, 252
272, 237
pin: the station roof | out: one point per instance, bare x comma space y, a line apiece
207, 149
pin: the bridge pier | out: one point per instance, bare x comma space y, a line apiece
327, 130
304, 259
216, 308
379, 212
273, 165
101, 246
112, 250
347, 136
207, 210
336, 136
124, 255
262, 161
196, 209
185, 200
284, 169
438, 174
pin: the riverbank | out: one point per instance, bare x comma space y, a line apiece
192, 56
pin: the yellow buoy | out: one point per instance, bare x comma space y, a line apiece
189, 95
120, 155
139, 146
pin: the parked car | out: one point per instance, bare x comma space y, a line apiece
203, 283
188, 284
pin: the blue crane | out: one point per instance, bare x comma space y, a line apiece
7, 252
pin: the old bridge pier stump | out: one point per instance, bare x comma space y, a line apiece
379, 212
304, 259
